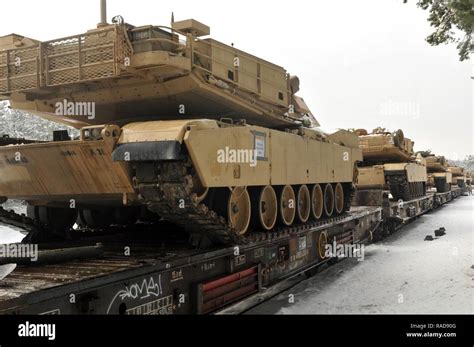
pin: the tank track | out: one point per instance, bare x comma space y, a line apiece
6, 140
17, 220
171, 196
401, 189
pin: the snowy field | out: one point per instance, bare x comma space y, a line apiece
402, 274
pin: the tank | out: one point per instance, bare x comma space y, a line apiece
459, 176
438, 171
390, 164
201, 134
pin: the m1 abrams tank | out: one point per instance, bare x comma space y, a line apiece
204, 135
459, 176
389, 164
438, 171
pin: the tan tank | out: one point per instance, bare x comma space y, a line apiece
390, 164
243, 155
438, 172
459, 176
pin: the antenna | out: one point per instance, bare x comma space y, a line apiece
172, 17
103, 13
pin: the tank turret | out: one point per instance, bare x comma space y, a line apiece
138, 73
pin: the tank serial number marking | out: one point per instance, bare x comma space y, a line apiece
68, 153
97, 152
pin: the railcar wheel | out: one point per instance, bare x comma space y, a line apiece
322, 242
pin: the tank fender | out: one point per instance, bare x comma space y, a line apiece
149, 151
156, 140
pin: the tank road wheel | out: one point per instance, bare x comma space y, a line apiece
57, 221
328, 200
264, 207
287, 205
304, 204
239, 209
322, 242
317, 202
339, 198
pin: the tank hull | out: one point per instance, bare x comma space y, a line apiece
442, 181
405, 181
60, 171
381, 148
164, 164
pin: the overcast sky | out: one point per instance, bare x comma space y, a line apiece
362, 64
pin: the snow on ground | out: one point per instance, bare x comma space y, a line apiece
402, 274
8, 235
